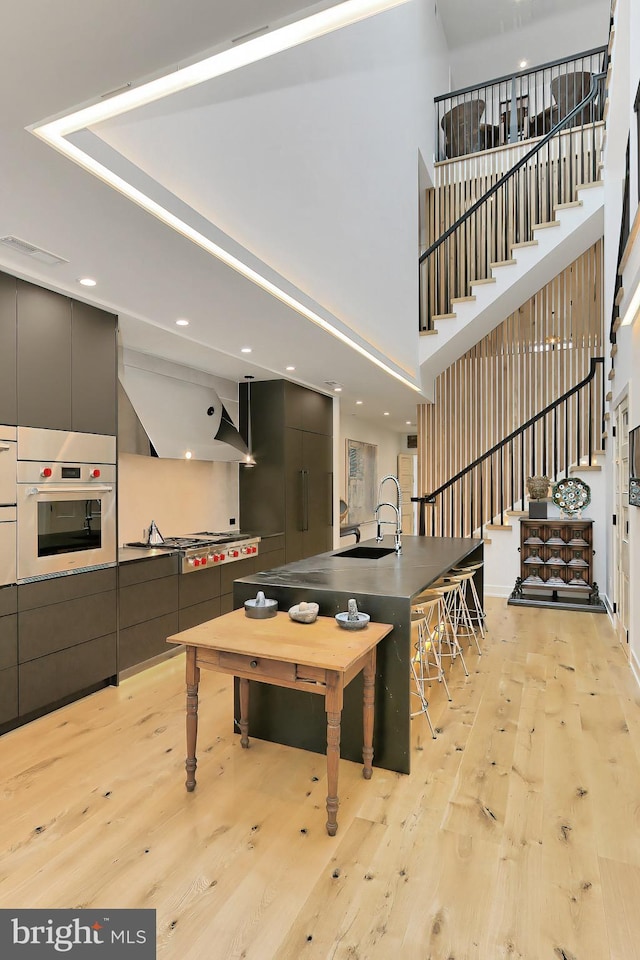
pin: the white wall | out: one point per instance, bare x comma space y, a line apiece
626, 382
310, 160
554, 38
389, 445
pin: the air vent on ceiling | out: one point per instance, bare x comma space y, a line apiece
250, 35
30, 250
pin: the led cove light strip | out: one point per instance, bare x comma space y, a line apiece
317, 25
632, 309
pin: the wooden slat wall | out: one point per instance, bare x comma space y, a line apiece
487, 237
533, 357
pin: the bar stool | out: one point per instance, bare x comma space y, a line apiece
476, 614
449, 587
429, 608
419, 636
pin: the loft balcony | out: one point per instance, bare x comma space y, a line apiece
517, 108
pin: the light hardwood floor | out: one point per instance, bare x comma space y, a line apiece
516, 835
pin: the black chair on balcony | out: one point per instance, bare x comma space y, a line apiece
567, 91
461, 127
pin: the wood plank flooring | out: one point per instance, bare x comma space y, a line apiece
517, 834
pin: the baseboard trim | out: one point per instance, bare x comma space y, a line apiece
490, 590
634, 663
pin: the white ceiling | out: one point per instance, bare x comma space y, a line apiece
54, 57
466, 22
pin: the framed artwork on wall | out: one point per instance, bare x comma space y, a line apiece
362, 469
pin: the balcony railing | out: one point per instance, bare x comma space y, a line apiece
517, 107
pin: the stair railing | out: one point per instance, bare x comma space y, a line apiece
525, 196
548, 444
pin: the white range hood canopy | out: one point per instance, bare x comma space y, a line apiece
180, 410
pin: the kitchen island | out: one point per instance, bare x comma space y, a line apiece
382, 587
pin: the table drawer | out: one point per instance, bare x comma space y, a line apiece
261, 667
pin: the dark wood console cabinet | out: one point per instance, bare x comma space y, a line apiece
556, 565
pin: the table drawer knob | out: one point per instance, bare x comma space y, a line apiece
253, 663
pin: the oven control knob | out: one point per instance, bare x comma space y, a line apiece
46, 472
196, 562
219, 556
203, 560
94, 474
191, 562
254, 549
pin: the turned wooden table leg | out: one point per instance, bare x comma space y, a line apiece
193, 678
333, 706
244, 713
368, 695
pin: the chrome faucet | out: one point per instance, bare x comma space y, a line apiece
394, 506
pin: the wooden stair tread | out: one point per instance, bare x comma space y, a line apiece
544, 226
498, 526
611, 374
583, 467
609, 396
525, 243
470, 299
475, 283
444, 316
428, 333
568, 206
502, 263
619, 297
587, 186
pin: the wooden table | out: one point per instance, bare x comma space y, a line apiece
320, 657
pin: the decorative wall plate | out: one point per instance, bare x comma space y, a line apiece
572, 496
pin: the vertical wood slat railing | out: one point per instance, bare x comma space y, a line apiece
495, 482
508, 210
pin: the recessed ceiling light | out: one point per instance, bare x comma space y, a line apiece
245, 350
386, 413
289, 368
337, 389
182, 322
87, 282
523, 64
188, 455
408, 422
358, 403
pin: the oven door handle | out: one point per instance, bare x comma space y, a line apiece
98, 488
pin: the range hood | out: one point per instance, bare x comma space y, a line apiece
168, 410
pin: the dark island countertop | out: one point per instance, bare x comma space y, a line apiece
422, 560
383, 588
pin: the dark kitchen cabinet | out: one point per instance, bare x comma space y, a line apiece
148, 591
291, 487
66, 638
8, 654
43, 358
60, 357
8, 394
94, 370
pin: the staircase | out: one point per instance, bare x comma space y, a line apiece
554, 245
528, 226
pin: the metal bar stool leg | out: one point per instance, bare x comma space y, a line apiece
429, 604
418, 675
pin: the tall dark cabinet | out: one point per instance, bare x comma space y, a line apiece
58, 361
290, 489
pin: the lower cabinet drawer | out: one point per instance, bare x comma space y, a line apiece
146, 640
246, 665
45, 630
8, 694
8, 641
199, 613
58, 675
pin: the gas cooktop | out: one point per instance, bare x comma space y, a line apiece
199, 550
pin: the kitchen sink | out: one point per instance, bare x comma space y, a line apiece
366, 553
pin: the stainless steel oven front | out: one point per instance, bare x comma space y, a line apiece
66, 502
